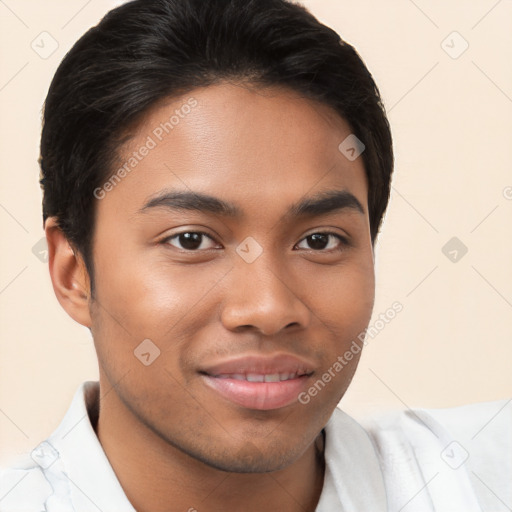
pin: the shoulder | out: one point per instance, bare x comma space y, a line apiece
38, 481
482, 429
23, 487
466, 450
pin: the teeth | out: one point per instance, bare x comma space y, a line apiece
258, 377
254, 377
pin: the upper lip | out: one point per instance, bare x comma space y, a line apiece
264, 365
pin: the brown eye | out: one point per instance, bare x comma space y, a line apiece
323, 241
190, 240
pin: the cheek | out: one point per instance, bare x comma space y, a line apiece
347, 296
348, 304
147, 296
344, 310
358, 298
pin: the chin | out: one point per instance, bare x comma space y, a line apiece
256, 463
249, 459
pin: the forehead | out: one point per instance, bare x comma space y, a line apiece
250, 145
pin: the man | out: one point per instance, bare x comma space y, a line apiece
215, 175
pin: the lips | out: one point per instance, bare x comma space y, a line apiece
257, 382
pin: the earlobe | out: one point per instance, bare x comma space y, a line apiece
68, 274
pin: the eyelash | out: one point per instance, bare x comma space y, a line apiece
343, 240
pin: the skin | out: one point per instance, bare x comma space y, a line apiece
173, 442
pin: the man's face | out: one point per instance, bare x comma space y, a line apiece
265, 294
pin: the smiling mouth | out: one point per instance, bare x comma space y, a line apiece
260, 382
259, 391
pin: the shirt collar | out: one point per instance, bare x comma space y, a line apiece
353, 477
92, 478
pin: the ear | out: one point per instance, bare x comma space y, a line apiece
68, 273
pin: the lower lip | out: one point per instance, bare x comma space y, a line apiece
263, 396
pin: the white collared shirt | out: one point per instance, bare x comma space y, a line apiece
444, 460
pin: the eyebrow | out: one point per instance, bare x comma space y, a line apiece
320, 204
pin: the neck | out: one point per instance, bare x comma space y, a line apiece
159, 477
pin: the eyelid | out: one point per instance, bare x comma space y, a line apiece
327, 231
196, 231
344, 240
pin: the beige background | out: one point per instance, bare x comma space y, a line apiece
451, 120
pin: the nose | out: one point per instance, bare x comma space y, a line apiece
263, 297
